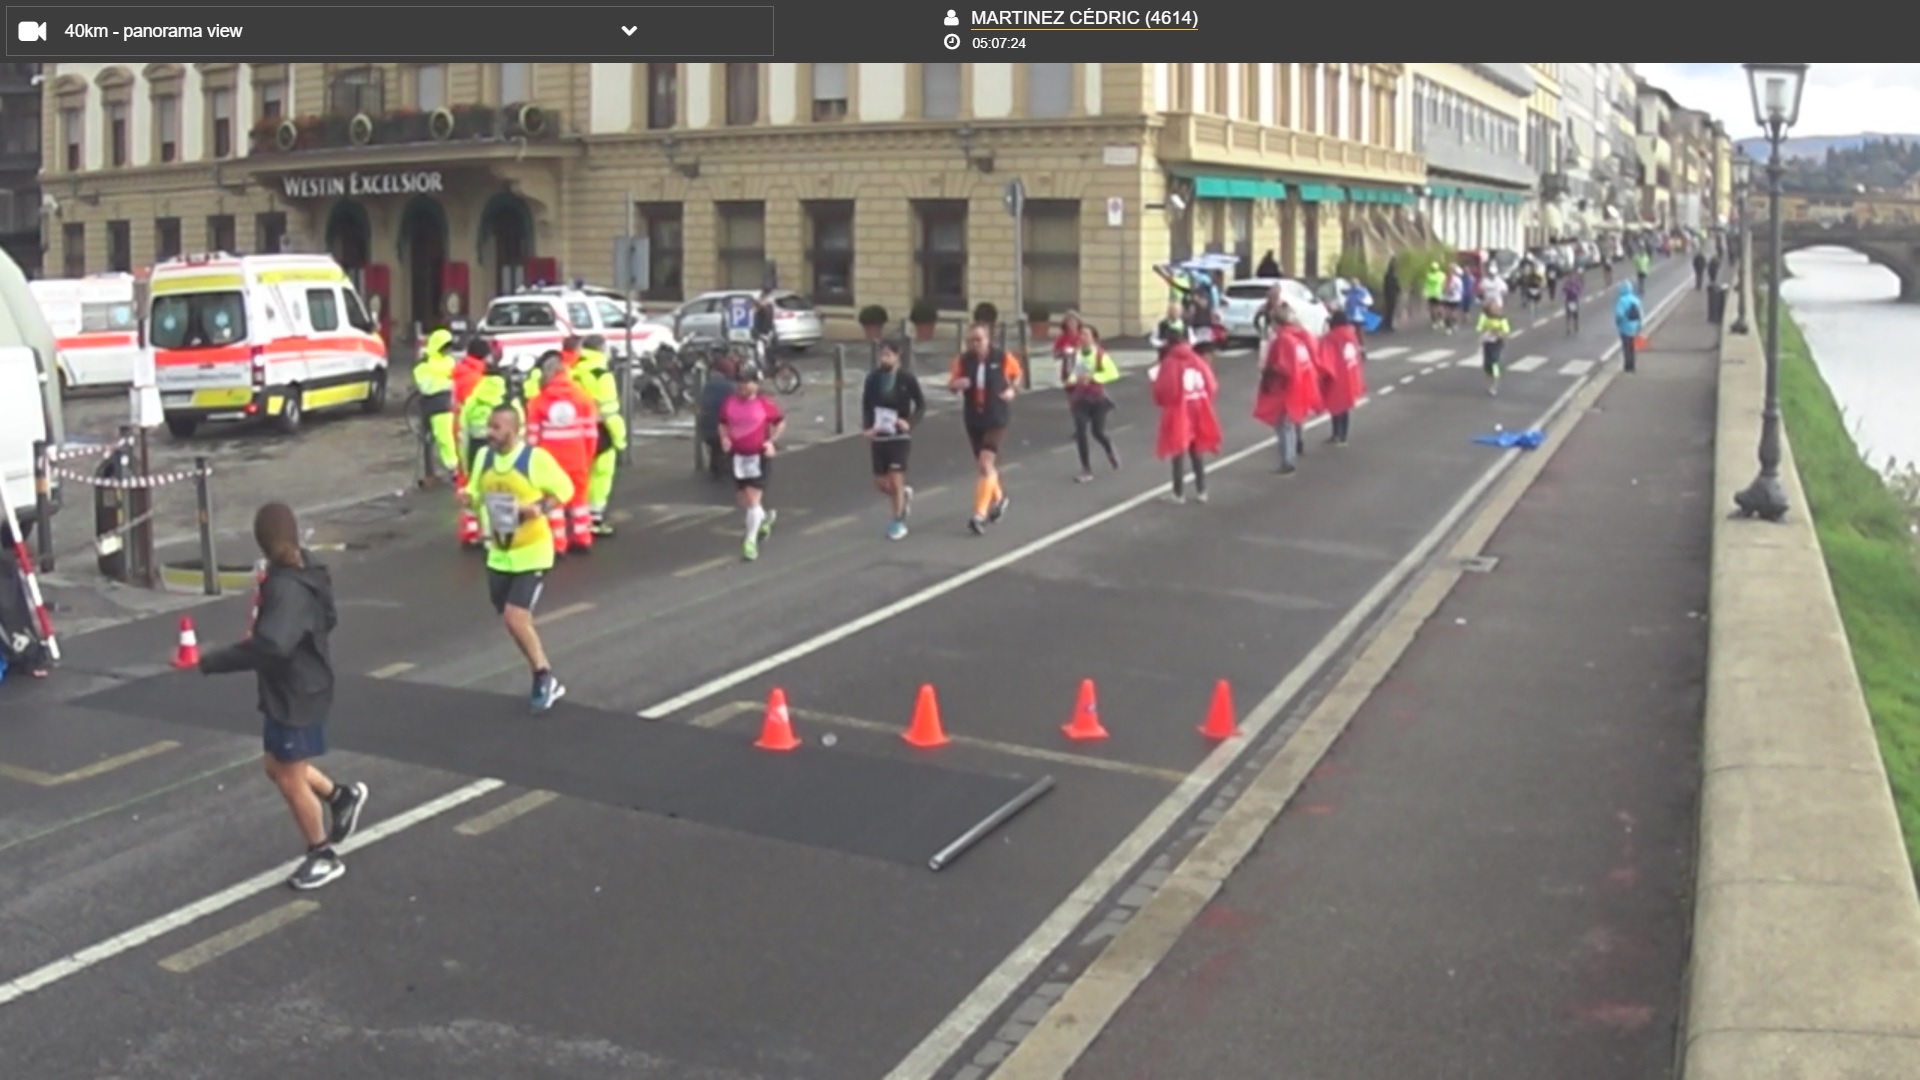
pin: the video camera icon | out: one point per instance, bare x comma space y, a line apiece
31, 30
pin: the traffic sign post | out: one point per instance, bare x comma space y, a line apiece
1016, 200
739, 321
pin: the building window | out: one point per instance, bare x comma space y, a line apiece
1217, 88
1052, 258
117, 134
271, 99
220, 233
1180, 90
666, 250
1049, 90
1333, 100
1283, 95
120, 247
270, 232
357, 90
940, 91
743, 244
830, 251
941, 251
220, 120
1309, 97
1248, 107
663, 96
73, 131
829, 92
430, 87
166, 239
1357, 109
516, 83
73, 249
166, 129
743, 94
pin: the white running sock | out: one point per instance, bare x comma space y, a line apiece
755, 517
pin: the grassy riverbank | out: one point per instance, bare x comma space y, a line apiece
1867, 538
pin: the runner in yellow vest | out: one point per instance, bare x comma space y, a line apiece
514, 487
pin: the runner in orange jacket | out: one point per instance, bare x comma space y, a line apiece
563, 421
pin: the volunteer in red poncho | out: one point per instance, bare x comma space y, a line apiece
1184, 389
1289, 386
1342, 373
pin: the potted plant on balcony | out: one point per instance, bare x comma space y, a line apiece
1039, 321
924, 316
476, 122
440, 125
360, 129
403, 126
873, 321
528, 121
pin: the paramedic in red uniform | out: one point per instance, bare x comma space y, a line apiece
563, 421
467, 375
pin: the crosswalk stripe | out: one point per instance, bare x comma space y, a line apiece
1387, 353
1527, 363
1576, 367
1467, 361
1431, 356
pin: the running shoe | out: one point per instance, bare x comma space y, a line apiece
897, 530
751, 549
343, 811
318, 868
999, 508
547, 691
766, 527
978, 524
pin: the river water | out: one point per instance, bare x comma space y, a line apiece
1865, 342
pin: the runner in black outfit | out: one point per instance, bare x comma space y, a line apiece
891, 406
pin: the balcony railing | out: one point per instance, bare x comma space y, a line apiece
459, 125
1450, 151
1192, 137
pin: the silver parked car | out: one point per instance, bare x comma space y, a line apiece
1242, 301
796, 322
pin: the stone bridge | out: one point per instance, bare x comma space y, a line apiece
1894, 246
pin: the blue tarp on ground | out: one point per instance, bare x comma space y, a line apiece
1507, 440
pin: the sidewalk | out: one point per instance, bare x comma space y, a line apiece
1489, 874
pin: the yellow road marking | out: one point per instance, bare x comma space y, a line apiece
86, 772
703, 567
720, 714
803, 717
928, 493
619, 517
247, 932
829, 525
391, 670
505, 812
567, 612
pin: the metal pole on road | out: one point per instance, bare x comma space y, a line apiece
966, 840
203, 500
839, 389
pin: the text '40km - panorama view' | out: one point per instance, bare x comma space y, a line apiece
766, 570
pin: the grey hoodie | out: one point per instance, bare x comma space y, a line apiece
288, 652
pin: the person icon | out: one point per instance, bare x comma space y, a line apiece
953, 17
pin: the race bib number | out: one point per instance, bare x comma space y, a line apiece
503, 516
885, 421
746, 466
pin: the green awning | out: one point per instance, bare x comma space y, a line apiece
1380, 196
1235, 187
1318, 193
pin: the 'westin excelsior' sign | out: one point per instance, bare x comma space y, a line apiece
359, 183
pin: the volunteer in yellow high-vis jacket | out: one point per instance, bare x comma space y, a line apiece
433, 377
513, 488
595, 375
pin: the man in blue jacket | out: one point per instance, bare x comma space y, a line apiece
1628, 318
289, 654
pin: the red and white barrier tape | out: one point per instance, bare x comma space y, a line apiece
27, 577
124, 483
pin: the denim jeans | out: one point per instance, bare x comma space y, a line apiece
1290, 435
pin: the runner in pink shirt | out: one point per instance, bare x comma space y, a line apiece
750, 423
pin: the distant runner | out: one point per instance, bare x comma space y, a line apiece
891, 406
989, 379
750, 423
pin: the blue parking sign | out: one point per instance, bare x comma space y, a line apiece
739, 318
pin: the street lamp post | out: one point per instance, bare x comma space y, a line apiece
1776, 107
1742, 189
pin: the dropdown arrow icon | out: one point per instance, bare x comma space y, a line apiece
628, 30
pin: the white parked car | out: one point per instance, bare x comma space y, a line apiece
530, 323
1242, 301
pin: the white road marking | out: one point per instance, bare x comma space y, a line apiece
85, 772
1385, 390
1431, 356
1405, 379
979, 1007
1527, 363
703, 567
485, 823
1388, 353
1576, 368
388, 672
829, 525
1467, 361
247, 932
558, 614
69, 966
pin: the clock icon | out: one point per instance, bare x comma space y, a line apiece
951, 41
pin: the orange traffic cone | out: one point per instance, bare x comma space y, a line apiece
926, 731
1085, 725
1220, 719
188, 654
776, 731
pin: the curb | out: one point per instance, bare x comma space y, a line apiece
1806, 928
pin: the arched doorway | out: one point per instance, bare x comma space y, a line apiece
506, 241
423, 249
350, 239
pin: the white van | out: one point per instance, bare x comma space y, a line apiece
29, 390
96, 326
260, 337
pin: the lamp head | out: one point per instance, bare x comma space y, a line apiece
1776, 95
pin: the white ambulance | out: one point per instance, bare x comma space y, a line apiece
260, 337
532, 322
96, 323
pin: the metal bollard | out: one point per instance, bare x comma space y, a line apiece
203, 499
42, 507
839, 389
625, 381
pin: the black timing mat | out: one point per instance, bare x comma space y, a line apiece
892, 809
